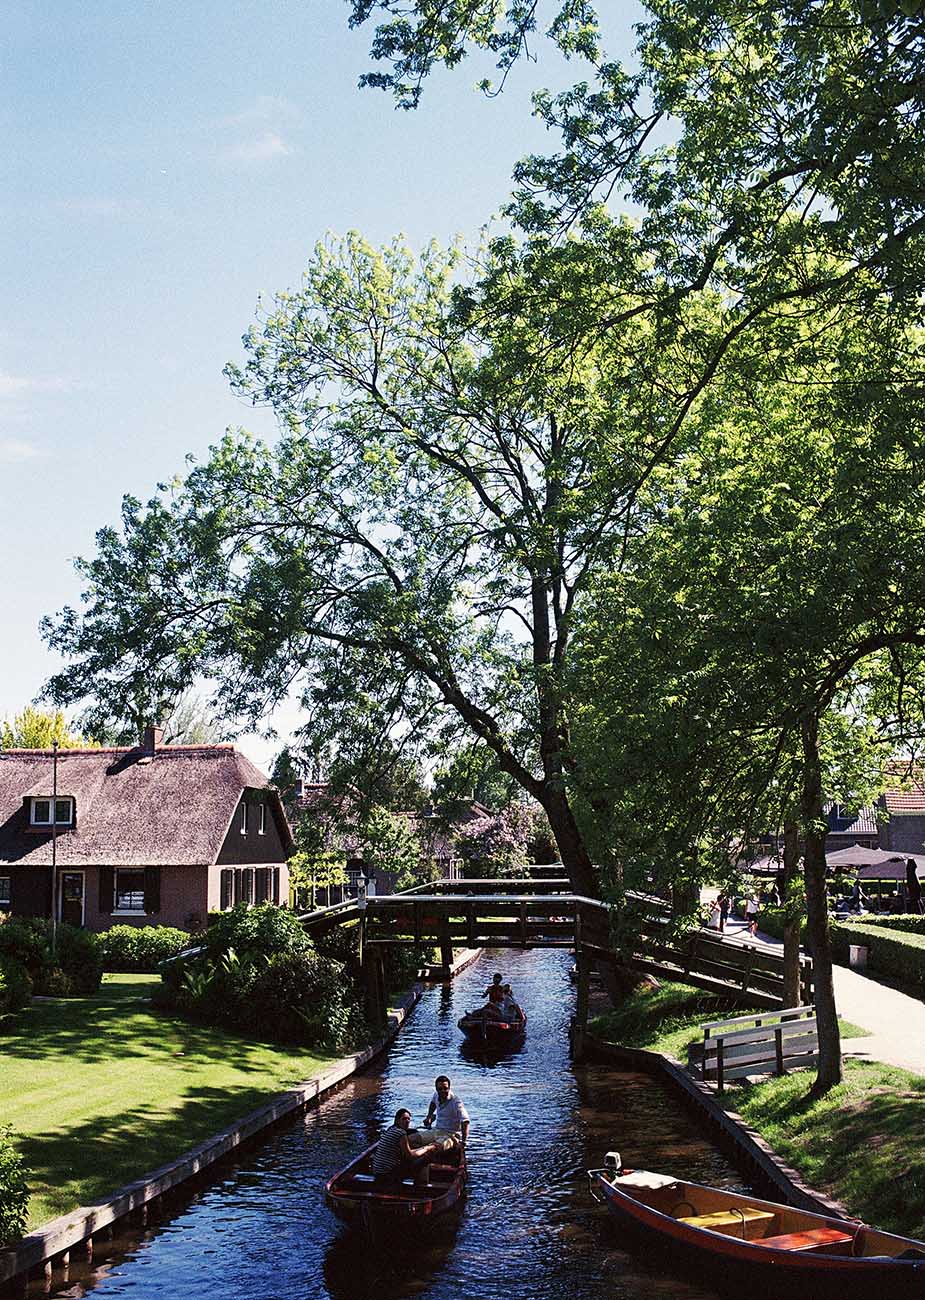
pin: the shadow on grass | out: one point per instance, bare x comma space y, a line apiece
88, 1162
862, 1140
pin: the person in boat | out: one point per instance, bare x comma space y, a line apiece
496, 997
446, 1112
509, 1008
395, 1158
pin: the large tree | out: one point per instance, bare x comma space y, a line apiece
447, 482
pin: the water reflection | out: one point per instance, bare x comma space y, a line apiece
528, 1227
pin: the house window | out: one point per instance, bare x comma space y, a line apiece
41, 812
5, 893
262, 819
243, 818
129, 893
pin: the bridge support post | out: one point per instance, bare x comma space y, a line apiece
374, 977
580, 1018
446, 947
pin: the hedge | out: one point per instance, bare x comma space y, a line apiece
910, 923
890, 952
15, 986
14, 1191
141, 947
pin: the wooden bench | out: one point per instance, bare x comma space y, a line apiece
812, 1239
747, 1223
734, 1049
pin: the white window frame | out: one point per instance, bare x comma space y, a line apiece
59, 821
243, 826
7, 902
262, 820
127, 911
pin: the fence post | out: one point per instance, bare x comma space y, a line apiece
779, 1048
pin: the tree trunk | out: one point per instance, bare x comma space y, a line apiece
829, 1071
793, 916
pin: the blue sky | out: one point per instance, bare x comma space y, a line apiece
164, 164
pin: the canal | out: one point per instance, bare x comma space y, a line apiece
528, 1228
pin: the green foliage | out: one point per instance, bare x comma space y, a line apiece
896, 953
910, 922
496, 844
35, 729
259, 974
141, 947
310, 871
15, 985
390, 843
14, 1190
76, 968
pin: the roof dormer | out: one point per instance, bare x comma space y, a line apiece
43, 807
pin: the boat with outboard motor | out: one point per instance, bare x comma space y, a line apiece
483, 1030
769, 1248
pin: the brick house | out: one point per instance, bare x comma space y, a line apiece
150, 835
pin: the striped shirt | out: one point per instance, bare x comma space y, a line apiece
387, 1157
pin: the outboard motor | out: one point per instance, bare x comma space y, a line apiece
613, 1166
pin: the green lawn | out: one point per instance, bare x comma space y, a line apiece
861, 1143
100, 1090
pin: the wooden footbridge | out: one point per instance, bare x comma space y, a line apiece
544, 913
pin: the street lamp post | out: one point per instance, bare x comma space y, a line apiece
54, 846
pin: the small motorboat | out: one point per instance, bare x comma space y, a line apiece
483, 1031
760, 1246
353, 1192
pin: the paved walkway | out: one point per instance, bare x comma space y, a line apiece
895, 1021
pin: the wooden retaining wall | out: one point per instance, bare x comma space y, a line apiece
746, 1148
75, 1230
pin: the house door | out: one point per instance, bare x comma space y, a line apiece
71, 908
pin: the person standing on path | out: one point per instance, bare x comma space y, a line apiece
723, 901
751, 914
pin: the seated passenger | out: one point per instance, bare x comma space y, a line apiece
394, 1157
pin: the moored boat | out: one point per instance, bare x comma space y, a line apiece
354, 1192
772, 1249
480, 1029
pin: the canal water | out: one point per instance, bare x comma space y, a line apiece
528, 1228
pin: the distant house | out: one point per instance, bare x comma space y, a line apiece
896, 821
156, 835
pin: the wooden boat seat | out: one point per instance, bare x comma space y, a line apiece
830, 1241
733, 1221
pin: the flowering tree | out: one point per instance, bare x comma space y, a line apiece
497, 842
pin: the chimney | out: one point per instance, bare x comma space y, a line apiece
152, 738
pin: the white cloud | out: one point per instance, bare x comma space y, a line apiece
258, 149
270, 110
14, 451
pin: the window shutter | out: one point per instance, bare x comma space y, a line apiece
247, 885
237, 887
276, 884
226, 890
261, 884
107, 889
152, 889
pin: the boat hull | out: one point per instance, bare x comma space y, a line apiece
492, 1033
747, 1266
353, 1195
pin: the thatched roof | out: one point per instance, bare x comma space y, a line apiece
134, 807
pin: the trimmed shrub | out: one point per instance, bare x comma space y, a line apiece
910, 922
14, 1191
76, 968
258, 973
771, 921
15, 985
141, 947
890, 952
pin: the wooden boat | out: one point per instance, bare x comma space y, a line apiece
760, 1246
353, 1192
481, 1031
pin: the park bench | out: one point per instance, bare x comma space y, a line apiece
768, 1043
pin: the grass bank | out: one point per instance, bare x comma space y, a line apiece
668, 1019
859, 1144
100, 1090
